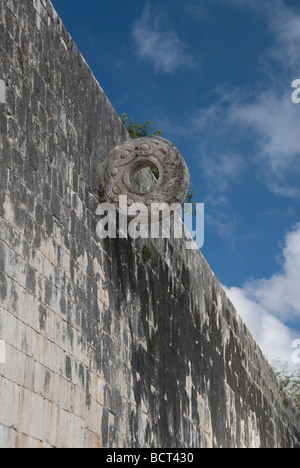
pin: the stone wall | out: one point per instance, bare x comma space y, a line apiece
104, 348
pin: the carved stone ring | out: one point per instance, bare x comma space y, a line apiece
120, 168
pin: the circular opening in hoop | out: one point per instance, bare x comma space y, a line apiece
143, 176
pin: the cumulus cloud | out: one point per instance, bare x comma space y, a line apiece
280, 294
268, 115
275, 122
283, 23
222, 169
221, 221
161, 46
219, 172
274, 338
266, 304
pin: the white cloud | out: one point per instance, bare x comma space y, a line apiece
221, 170
266, 304
220, 221
268, 114
281, 293
287, 30
275, 121
283, 23
160, 46
218, 173
274, 338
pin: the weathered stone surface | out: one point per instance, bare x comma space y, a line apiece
125, 161
2, 92
103, 349
118, 172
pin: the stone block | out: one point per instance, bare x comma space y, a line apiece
103, 349
2, 92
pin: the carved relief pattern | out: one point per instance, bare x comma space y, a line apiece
125, 160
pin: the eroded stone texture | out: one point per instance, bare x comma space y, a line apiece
122, 164
103, 348
2, 92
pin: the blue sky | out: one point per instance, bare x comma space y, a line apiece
216, 76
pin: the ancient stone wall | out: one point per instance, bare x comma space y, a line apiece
103, 347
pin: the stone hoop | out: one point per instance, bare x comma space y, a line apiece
125, 161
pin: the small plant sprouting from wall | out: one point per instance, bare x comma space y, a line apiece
147, 254
290, 380
136, 130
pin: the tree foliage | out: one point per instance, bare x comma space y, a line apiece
136, 130
290, 381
